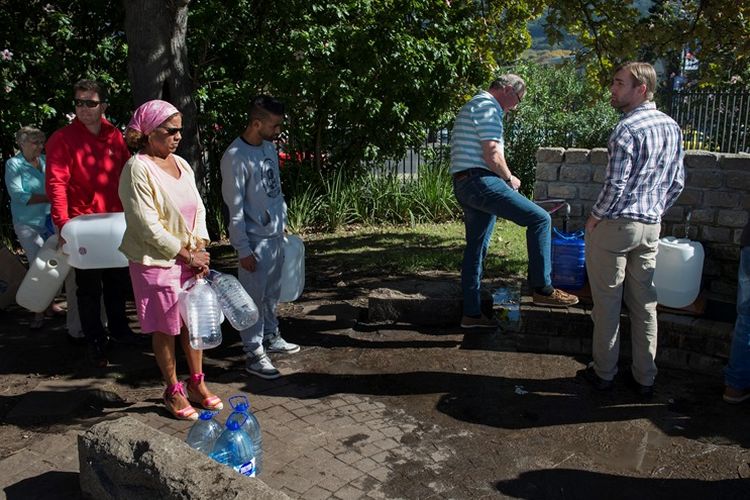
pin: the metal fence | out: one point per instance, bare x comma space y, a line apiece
712, 120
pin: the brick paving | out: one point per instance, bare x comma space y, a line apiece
395, 412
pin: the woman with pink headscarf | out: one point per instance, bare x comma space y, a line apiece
164, 241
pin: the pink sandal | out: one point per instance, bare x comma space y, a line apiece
212, 403
187, 413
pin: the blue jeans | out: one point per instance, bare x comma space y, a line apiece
737, 373
483, 197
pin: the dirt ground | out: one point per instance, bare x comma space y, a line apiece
520, 423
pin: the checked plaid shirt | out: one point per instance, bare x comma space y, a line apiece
645, 174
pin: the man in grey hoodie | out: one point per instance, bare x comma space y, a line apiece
251, 188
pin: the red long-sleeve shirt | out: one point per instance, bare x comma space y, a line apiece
83, 171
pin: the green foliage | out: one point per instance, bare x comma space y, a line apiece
560, 108
45, 47
613, 32
362, 79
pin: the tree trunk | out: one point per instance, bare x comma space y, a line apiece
158, 64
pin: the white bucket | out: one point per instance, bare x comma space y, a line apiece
293, 270
44, 278
679, 267
92, 241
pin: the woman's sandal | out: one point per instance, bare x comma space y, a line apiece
187, 413
210, 403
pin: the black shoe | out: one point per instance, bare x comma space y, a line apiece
644, 391
96, 355
590, 376
77, 341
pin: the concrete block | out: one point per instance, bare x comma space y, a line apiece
701, 159
547, 171
565, 191
717, 234
576, 155
540, 190
599, 156
690, 197
726, 199
674, 214
550, 155
738, 179
705, 179
732, 218
702, 215
600, 174
734, 162
125, 458
576, 172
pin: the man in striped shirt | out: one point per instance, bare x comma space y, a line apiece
486, 188
645, 176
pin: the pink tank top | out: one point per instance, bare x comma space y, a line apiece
180, 191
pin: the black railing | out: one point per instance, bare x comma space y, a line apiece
713, 120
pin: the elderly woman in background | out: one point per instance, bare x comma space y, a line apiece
29, 205
164, 241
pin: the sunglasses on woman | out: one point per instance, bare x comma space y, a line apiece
171, 130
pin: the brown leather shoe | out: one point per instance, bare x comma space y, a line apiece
557, 298
735, 396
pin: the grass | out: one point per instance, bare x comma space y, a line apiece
403, 250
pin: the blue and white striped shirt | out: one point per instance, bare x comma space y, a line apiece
480, 119
645, 174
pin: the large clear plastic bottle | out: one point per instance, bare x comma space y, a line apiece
241, 405
203, 434
203, 315
234, 300
234, 447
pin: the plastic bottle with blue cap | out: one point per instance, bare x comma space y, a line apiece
234, 447
241, 405
203, 434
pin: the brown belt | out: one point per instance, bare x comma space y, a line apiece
462, 175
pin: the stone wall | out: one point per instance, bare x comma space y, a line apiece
715, 197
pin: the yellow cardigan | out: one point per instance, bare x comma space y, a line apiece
155, 229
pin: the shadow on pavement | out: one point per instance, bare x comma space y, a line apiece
559, 484
56, 484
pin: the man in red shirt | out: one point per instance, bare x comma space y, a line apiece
84, 161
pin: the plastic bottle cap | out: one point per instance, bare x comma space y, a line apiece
206, 415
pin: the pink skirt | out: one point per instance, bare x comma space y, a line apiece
155, 290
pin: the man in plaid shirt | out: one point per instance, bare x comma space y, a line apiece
645, 176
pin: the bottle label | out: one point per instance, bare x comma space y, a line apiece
247, 469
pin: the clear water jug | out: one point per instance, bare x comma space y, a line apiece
568, 260
234, 447
45, 276
238, 307
200, 311
678, 272
203, 434
293, 270
241, 405
92, 241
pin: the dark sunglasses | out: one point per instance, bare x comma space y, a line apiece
89, 103
172, 130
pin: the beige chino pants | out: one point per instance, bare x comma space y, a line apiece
620, 261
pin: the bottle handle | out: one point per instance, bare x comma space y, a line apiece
241, 400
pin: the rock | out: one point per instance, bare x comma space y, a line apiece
428, 303
125, 458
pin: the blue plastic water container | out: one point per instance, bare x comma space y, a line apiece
568, 260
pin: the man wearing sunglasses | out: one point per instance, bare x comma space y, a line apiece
84, 161
486, 188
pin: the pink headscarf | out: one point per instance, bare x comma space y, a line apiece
150, 115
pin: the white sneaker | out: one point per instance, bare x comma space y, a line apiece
275, 343
261, 366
